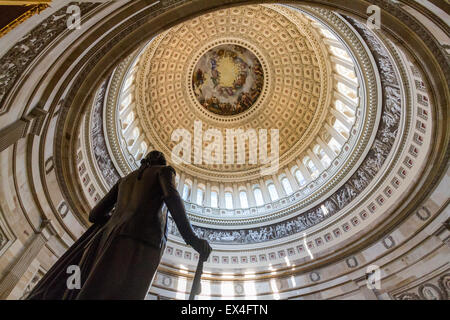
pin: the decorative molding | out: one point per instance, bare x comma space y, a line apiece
97, 140
29, 124
19, 58
434, 287
37, 9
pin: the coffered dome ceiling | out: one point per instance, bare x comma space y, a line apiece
262, 68
286, 81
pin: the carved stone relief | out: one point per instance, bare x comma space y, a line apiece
437, 288
20, 56
34, 280
3, 238
99, 148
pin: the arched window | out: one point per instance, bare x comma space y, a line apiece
128, 120
128, 83
338, 125
126, 100
272, 191
243, 198
298, 175
135, 133
311, 167
134, 136
144, 147
341, 128
228, 200
341, 53
334, 145
200, 196
323, 157
186, 191
141, 151
327, 33
214, 199
286, 185
258, 196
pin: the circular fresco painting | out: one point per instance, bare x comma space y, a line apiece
228, 79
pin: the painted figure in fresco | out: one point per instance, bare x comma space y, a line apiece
199, 78
236, 96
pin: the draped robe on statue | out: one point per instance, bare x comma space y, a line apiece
119, 254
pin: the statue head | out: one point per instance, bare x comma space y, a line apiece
154, 157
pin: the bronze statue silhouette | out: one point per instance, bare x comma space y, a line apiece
119, 254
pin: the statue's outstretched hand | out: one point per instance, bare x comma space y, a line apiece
202, 247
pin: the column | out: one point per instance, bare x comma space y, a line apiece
134, 148
236, 198
129, 89
304, 171
341, 118
208, 195
181, 183
264, 191
126, 111
194, 191
11, 279
349, 83
294, 184
343, 62
279, 187
221, 196
368, 294
335, 134
326, 148
345, 100
333, 43
29, 124
250, 196
130, 127
316, 160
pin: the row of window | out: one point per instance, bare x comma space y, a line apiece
130, 132
228, 197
